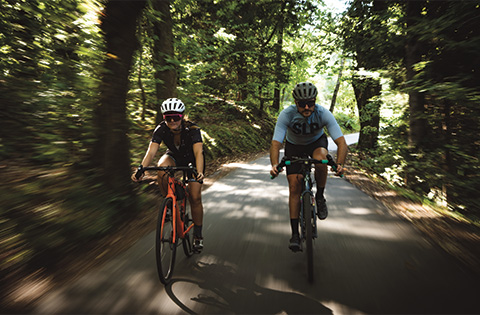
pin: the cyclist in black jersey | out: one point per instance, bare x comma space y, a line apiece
184, 146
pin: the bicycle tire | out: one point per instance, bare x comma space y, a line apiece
188, 237
165, 248
307, 214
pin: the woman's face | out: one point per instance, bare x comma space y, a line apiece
174, 121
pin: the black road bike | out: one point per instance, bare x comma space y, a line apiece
308, 209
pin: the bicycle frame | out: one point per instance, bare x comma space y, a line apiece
173, 222
178, 226
173, 183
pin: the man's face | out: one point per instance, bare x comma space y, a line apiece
305, 107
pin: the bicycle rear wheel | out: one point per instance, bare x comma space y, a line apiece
307, 209
165, 247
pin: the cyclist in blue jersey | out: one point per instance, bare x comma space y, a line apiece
303, 126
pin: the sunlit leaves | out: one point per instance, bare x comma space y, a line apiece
445, 74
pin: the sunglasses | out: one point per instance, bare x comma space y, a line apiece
172, 117
310, 103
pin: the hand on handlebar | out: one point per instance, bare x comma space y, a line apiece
138, 175
275, 171
199, 178
339, 171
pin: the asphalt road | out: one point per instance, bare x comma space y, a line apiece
367, 260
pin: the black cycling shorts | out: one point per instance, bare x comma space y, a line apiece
303, 151
185, 162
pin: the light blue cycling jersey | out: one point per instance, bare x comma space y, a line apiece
305, 130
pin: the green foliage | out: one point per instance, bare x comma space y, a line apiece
230, 49
348, 122
444, 168
48, 72
372, 34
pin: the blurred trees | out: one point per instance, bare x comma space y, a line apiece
47, 71
235, 49
111, 154
78, 74
372, 44
70, 70
163, 53
428, 50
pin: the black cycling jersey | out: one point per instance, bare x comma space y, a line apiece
189, 136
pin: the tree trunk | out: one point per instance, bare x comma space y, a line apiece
163, 51
242, 73
366, 88
278, 61
413, 55
261, 98
337, 86
111, 152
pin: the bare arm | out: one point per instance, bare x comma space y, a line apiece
198, 152
149, 156
275, 156
341, 153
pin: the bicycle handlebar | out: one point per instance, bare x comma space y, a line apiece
168, 169
289, 161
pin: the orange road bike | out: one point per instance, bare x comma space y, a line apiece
174, 222
308, 211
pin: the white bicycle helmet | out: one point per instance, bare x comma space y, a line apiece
304, 91
173, 105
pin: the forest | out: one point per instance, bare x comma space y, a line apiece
82, 81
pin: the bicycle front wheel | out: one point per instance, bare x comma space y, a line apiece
307, 209
165, 247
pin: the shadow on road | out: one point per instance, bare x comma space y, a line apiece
224, 290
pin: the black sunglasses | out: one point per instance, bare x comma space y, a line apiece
172, 117
310, 103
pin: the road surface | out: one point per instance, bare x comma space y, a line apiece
367, 260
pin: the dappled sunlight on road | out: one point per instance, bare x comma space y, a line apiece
250, 167
366, 261
384, 231
251, 212
359, 211
277, 229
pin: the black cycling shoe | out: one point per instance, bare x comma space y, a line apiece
322, 211
197, 244
295, 243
